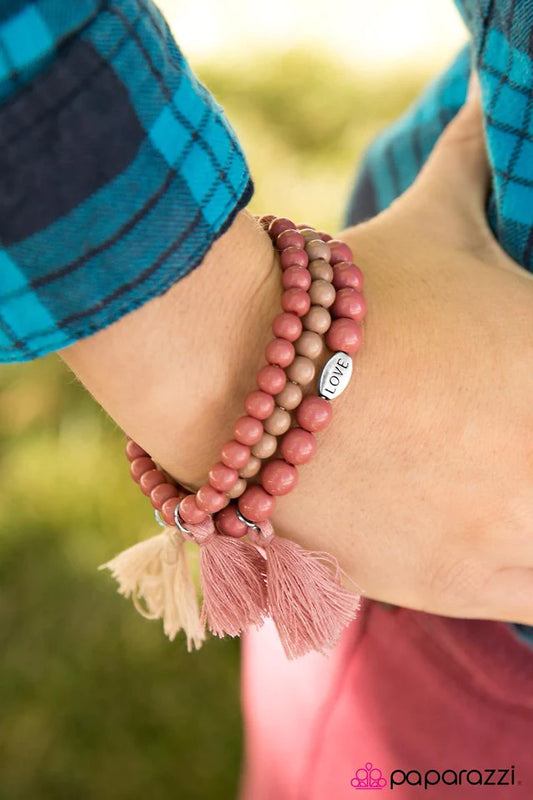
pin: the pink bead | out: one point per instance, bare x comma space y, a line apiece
256, 504
141, 465
290, 239
279, 225
271, 379
324, 236
134, 450
247, 430
209, 500
222, 477
296, 278
167, 510
259, 404
287, 326
298, 446
229, 523
266, 219
344, 334
293, 256
339, 251
280, 352
190, 512
278, 477
149, 480
296, 301
314, 413
346, 274
234, 454
163, 492
349, 303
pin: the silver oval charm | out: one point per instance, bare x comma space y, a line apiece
335, 375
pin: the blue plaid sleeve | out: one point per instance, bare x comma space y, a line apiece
501, 49
118, 169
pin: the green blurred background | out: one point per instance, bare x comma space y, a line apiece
94, 701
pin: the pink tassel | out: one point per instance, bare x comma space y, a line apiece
232, 576
306, 598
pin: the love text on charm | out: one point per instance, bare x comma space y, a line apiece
335, 375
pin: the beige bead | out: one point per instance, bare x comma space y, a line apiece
322, 293
290, 396
238, 489
302, 370
267, 444
278, 422
251, 468
316, 248
309, 234
309, 344
317, 319
320, 269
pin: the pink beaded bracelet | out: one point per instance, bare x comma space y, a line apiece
245, 580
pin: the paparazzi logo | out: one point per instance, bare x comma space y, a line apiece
371, 777
368, 777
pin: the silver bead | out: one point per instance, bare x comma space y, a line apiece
246, 521
335, 375
177, 520
159, 519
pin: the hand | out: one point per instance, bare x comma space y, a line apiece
423, 485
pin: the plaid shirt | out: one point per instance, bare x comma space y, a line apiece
502, 52
118, 170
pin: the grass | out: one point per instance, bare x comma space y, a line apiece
95, 703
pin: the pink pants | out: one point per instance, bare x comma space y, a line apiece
442, 707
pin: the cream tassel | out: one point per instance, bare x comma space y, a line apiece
157, 572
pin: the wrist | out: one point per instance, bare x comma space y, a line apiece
246, 571
173, 374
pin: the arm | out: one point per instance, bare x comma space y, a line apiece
175, 372
422, 485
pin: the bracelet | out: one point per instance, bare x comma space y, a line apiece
246, 572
